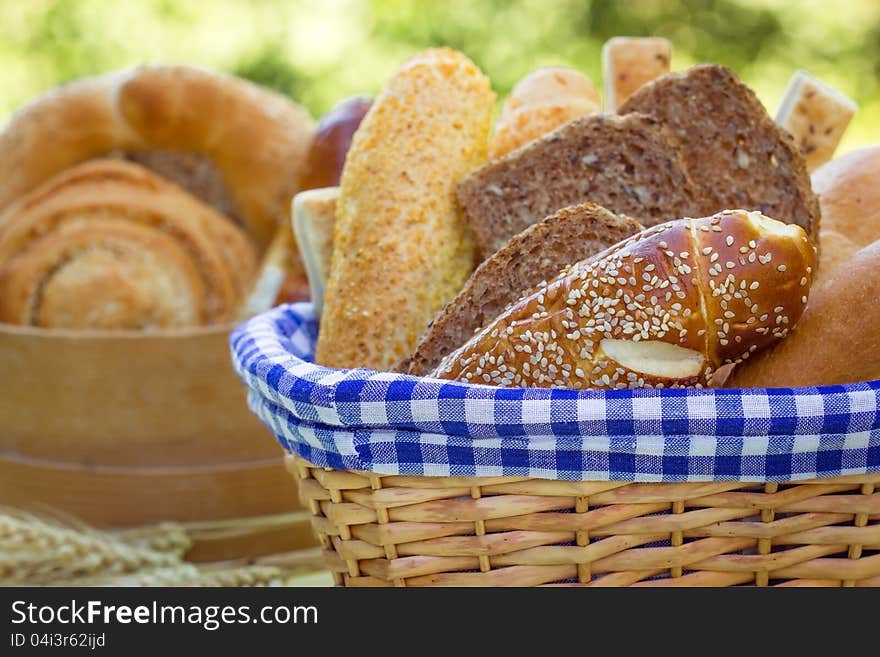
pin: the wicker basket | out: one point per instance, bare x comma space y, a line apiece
504, 531
423, 482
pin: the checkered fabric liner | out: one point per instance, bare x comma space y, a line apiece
390, 423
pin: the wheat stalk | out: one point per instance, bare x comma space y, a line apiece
36, 551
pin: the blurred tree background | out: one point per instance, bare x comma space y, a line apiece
319, 51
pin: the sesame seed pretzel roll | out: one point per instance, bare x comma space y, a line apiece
400, 249
665, 308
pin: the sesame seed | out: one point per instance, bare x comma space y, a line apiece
781, 267
707, 250
729, 240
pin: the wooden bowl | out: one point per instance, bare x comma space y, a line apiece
131, 428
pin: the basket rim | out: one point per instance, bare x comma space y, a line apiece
392, 423
277, 351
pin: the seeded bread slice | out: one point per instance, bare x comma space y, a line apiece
734, 152
627, 164
538, 253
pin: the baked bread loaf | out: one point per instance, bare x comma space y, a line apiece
314, 216
255, 139
836, 341
630, 62
628, 164
400, 248
734, 152
665, 308
536, 255
108, 244
816, 115
539, 103
850, 200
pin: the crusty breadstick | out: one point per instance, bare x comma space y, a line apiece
816, 115
630, 62
314, 215
401, 250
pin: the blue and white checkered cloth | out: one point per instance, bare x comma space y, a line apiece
388, 423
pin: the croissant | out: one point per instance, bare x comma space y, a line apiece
107, 245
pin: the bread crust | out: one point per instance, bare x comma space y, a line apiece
733, 151
627, 164
258, 139
400, 249
721, 287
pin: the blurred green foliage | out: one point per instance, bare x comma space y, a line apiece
319, 51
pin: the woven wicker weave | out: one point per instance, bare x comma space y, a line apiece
493, 531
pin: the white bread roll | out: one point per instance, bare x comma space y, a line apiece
849, 196
838, 338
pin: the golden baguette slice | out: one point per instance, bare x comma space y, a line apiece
314, 215
631, 62
666, 308
816, 115
401, 250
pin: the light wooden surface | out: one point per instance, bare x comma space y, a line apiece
122, 429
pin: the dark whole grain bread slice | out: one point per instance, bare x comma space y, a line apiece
536, 254
627, 164
734, 152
